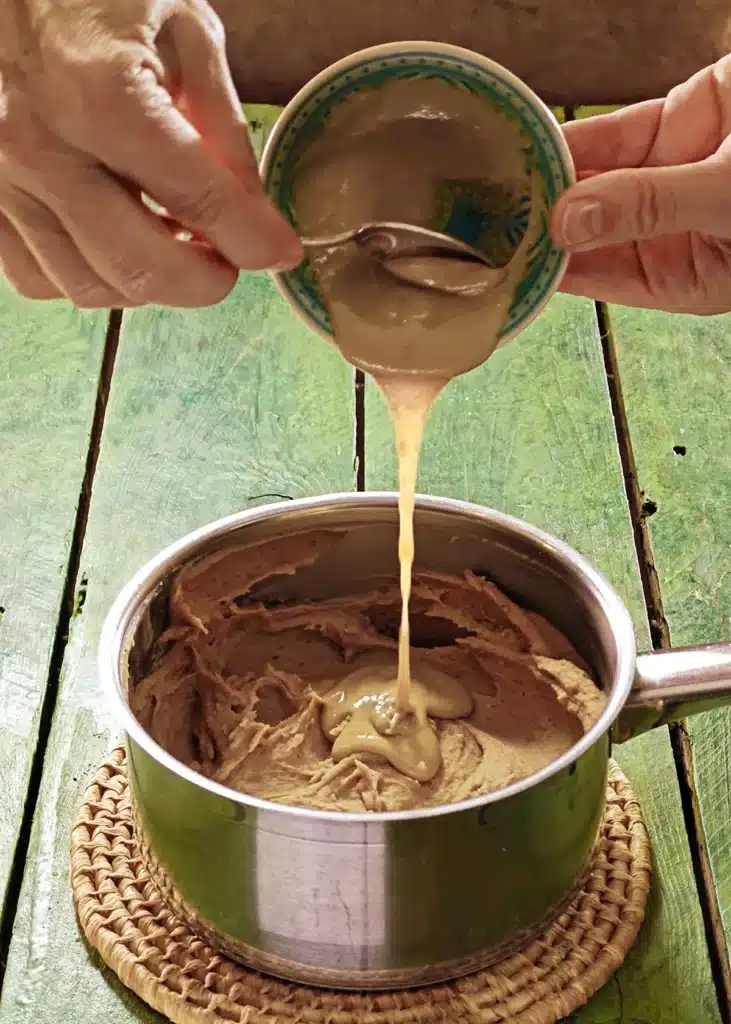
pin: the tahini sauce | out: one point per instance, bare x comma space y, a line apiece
380, 157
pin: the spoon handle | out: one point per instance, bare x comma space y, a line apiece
329, 240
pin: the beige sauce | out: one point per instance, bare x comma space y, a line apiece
409, 401
387, 154
458, 276
361, 715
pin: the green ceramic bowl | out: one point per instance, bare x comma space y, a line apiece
546, 150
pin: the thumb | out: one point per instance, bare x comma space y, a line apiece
636, 203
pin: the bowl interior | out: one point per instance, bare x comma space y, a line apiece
545, 152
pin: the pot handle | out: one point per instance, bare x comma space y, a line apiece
670, 685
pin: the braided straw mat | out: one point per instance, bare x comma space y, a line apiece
179, 975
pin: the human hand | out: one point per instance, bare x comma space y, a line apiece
649, 222
102, 102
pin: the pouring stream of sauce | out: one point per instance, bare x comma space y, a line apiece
380, 157
409, 401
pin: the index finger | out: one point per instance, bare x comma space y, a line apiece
156, 147
608, 142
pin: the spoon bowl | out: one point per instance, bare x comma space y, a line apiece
420, 256
451, 275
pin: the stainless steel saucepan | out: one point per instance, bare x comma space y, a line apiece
376, 901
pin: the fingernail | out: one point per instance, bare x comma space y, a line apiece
583, 222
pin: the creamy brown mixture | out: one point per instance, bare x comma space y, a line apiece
412, 151
247, 693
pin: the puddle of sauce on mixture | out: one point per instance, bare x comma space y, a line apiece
361, 714
384, 155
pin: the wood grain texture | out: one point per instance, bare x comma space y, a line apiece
209, 412
531, 434
50, 356
676, 377
599, 52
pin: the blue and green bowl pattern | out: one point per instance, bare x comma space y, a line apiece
545, 152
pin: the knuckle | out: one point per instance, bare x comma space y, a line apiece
82, 65
89, 294
139, 285
646, 212
82, 53
94, 90
133, 78
204, 210
652, 212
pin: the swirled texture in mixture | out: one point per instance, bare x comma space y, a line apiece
234, 688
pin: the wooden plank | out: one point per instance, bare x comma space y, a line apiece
50, 357
676, 379
606, 50
531, 433
208, 411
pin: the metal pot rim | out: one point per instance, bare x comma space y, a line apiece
154, 571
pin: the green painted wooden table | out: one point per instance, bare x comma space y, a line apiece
608, 427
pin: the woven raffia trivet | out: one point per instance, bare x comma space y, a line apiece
179, 975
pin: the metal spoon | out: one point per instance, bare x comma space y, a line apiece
419, 256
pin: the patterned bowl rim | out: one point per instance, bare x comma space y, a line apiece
386, 50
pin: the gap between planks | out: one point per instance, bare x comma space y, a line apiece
60, 640
359, 436
660, 634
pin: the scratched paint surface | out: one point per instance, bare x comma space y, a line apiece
49, 362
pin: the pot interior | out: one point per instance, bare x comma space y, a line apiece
537, 571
